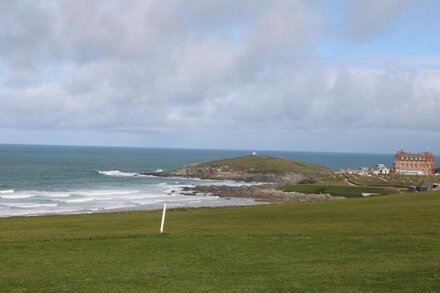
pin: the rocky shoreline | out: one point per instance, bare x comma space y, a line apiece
269, 172
262, 192
224, 173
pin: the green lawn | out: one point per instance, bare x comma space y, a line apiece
379, 244
335, 190
394, 180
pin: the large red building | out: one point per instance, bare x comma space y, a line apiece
414, 163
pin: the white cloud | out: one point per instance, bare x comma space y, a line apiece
167, 65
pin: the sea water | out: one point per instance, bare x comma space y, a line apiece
71, 179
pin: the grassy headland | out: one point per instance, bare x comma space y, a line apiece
266, 164
389, 243
255, 168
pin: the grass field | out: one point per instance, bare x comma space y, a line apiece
335, 190
393, 180
379, 244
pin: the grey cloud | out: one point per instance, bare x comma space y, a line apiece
368, 19
27, 29
167, 66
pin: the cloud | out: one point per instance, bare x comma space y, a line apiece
369, 19
142, 66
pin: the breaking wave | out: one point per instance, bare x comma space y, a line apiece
15, 196
117, 173
147, 194
9, 191
28, 205
104, 193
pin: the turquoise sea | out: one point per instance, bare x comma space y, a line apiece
73, 179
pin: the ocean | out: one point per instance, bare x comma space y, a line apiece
37, 180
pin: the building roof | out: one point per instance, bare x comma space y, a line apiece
402, 153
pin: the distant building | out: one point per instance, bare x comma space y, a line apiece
381, 169
414, 163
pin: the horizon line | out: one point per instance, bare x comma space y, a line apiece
192, 148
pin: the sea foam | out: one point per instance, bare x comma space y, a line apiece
29, 205
8, 191
15, 196
147, 194
117, 173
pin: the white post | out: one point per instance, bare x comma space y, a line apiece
163, 217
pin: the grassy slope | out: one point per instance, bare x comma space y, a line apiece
389, 243
345, 191
265, 164
393, 180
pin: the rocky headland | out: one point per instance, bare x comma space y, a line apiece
253, 168
272, 171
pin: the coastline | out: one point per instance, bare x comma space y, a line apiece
96, 184
218, 194
217, 201
259, 192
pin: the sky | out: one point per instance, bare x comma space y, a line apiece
303, 75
